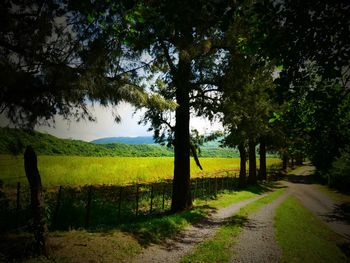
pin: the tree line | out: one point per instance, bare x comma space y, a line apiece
276, 73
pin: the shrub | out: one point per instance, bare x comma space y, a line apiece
339, 174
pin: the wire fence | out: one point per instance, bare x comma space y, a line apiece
105, 206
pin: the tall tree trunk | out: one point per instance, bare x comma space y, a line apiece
243, 168
181, 199
37, 201
285, 161
262, 156
252, 162
299, 159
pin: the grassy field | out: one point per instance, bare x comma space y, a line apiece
302, 237
77, 170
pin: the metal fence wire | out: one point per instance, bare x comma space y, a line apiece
104, 206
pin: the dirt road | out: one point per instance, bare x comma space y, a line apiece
257, 241
320, 204
173, 249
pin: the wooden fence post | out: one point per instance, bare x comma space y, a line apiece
203, 187
120, 201
88, 207
216, 187
18, 197
209, 179
37, 201
163, 197
137, 200
57, 208
151, 205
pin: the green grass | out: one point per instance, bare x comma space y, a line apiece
77, 170
302, 237
334, 194
158, 228
219, 248
130, 237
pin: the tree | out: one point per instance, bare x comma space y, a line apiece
310, 41
54, 59
185, 41
247, 107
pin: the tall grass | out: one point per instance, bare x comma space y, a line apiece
77, 170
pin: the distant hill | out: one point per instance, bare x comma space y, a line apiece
147, 140
14, 140
127, 140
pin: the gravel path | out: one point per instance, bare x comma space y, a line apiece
319, 203
257, 241
173, 249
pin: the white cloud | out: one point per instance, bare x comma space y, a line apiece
105, 126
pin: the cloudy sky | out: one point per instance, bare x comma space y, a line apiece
105, 126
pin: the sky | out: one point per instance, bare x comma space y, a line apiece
105, 126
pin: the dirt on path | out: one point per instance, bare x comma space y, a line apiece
257, 241
172, 250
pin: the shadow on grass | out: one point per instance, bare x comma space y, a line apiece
345, 248
301, 179
263, 187
147, 229
237, 220
155, 229
341, 212
14, 248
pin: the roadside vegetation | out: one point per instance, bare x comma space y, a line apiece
302, 237
126, 240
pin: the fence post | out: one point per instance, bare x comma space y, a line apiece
137, 200
120, 201
203, 187
163, 196
194, 189
18, 200
58, 204
209, 179
216, 187
88, 207
37, 201
151, 206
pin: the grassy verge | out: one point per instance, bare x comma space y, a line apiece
155, 229
125, 241
218, 249
335, 195
302, 237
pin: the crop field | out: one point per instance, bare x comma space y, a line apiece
79, 171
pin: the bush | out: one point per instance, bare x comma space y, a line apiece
339, 174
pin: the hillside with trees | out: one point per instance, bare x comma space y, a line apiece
12, 141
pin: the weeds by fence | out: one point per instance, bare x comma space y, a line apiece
104, 206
